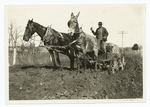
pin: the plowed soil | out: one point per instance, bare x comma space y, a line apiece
43, 82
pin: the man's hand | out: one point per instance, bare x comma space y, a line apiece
104, 38
91, 29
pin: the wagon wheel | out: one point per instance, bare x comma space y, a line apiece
109, 67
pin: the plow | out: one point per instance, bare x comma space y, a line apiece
108, 61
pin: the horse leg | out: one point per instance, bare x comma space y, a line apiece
96, 61
84, 62
78, 63
96, 57
96, 73
58, 60
71, 57
53, 58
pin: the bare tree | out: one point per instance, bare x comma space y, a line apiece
14, 32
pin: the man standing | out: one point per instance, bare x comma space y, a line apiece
101, 35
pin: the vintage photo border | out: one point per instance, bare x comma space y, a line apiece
69, 101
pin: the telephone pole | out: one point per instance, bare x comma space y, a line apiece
122, 32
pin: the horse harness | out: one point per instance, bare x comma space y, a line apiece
64, 46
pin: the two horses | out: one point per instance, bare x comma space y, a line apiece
84, 42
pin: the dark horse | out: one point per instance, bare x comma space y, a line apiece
56, 40
85, 43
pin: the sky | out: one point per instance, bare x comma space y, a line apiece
130, 18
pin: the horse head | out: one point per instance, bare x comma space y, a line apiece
29, 30
73, 24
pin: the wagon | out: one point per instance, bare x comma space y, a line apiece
112, 62
109, 61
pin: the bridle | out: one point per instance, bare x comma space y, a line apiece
30, 28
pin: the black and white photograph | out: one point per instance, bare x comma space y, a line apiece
75, 52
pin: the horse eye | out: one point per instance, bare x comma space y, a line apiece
75, 21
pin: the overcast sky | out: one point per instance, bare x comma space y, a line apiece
115, 18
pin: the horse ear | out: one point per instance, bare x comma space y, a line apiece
77, 15
72, 15
32, 20
50, 25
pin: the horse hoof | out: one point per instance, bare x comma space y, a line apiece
72, 68
55, 67
109, 73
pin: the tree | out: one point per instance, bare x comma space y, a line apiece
135, 47
14, 32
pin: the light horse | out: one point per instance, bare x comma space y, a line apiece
55, 40
85, 43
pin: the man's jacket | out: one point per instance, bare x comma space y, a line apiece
101, 33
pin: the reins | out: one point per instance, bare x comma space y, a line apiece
64, 46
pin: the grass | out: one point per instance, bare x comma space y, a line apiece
33, 56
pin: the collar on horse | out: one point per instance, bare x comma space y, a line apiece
65, 46
49, 32
79, 32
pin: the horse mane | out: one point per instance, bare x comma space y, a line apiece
54, 31
35, 23
65, 35
56, 34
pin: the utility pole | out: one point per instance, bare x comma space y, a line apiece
122, 32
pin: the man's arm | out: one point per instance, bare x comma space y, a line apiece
94, 33
106, 32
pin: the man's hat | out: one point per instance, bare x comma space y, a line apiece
100, 23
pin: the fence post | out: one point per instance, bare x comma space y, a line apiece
14, 56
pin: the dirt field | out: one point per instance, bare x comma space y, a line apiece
41, 82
